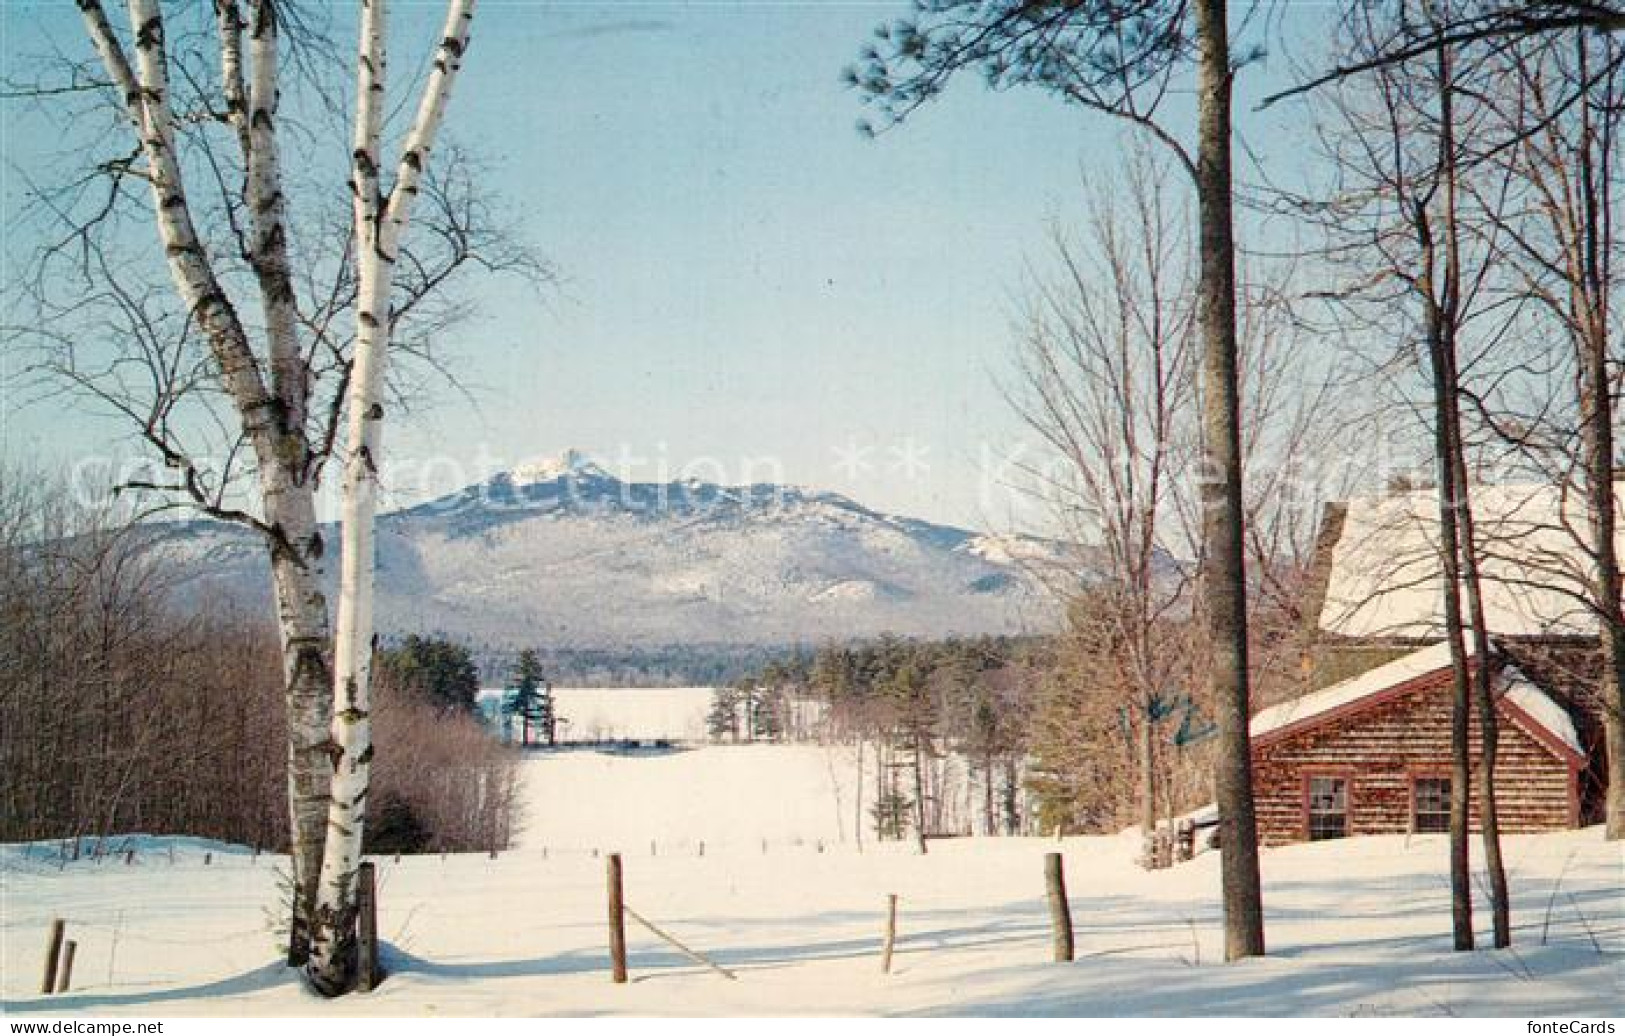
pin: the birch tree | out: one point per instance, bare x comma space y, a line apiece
381, 219
232, 355
269, 397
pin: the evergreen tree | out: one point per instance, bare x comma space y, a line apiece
723, 719
440, 670
530, 699
767, 708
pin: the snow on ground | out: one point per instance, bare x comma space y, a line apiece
727, 796
623, 713
610, 713
1355, 927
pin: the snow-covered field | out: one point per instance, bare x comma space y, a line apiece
609, 713
727, 796
1355, 927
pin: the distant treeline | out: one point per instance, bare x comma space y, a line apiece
946, 724
989, 735
664, 665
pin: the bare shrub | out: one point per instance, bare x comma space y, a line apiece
120, 712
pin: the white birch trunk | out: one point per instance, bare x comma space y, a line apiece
286, 496
379, 226
267, 207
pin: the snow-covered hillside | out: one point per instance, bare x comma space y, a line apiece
563, 553
1355, 927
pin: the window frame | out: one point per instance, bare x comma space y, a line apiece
1309, 777
1417, 778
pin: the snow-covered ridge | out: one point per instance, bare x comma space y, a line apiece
562, 552
569, 464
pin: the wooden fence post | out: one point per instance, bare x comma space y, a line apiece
64, 980
617, 921
891, 934
366, 923
53, 950
1060, 912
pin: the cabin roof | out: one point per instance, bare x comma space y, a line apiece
1543, 718
1385, 580
1539, 708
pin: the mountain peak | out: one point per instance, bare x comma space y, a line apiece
571, 463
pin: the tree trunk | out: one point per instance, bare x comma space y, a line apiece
268, 422
859, 800
1455, 480
1597, 155
1438, 319
1224, 566
1456, 504
1147, 776
919, 795
1012, 803
988, 824
379, 226
297, 575
1461, 773
1484, 699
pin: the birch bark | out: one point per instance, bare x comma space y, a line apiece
267, 414
380, 222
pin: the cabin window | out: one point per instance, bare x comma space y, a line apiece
1328, 808
1431, 803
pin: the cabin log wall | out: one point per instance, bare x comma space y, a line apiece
1382, 747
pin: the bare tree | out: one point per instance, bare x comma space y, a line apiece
1555, 130
1399, 219
1106, 379
1122, 60
231, 357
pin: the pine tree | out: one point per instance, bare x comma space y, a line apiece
530, 699
723, 719
442, 671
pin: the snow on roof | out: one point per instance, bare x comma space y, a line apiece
1516, 688
1386, 581
1539, 707
1400, 670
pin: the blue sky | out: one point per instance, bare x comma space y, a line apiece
742, 274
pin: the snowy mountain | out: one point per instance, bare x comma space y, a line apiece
564, 553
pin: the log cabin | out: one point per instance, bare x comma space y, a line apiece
1366, 750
